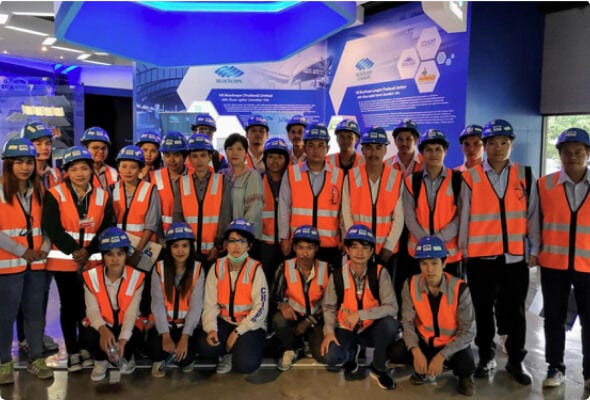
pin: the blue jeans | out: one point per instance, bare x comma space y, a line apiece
26, 290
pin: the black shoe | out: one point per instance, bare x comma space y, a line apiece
484, 368
420, 379
352, 365
383, 378
519, 373
466, 386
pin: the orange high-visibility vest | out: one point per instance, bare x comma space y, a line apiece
130, 283
321, 211
70, 220
132, 219
235, 305
446, 319
437, 219
418, 165
334, 159
350, 300
51, 178
270, 232
111, 174
161, 178
565, 234
18, 226
489, 213
376, 215
202, 216
176, 310
305, 303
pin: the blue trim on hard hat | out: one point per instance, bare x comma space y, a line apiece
178, 231
132, 153
374, 135
359, 232
430, 247
173, 142
76, 153
498, 127
18, 147
95, 134
149, 137
35, 130
306, 233
471, 130
432, 136
113, 238
573, 135
198, 141
316, 131
406, 125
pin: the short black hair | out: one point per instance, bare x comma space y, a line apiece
235, 138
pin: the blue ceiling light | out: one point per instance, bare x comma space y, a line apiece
169, 34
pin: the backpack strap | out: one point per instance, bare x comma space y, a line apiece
456, 181
373, 278
416, 185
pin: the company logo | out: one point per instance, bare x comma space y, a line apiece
426, 76
229, 71
408, 62
364, 64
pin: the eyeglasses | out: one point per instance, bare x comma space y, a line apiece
234, 241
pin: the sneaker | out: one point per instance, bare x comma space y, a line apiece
420, 379
74, 362
99, 371
188, 368
352, 365
519, 373
7, 373
156, 373
224, 364
383, 378
128, 367
287, 360
87, 360
23, 346
554, 378
40, 369
466, 386
49, 344
483, 369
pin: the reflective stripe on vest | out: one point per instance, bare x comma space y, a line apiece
295, 293
161, 178
269, 217
242, 293
132, 219
350, 301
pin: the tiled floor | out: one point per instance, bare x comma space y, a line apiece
304, 381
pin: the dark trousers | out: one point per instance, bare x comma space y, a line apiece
157, 352
246, 353
72, 310
455, 269
556, 286
381, 334
271, 257
20, 329
285, 332
331, 255
405, 267
500, 287
93, 340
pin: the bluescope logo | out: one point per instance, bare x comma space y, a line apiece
363, 67
229, 74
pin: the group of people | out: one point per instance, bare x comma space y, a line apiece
335, 253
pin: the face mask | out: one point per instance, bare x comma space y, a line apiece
238, 260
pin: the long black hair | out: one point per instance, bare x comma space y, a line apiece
186, 282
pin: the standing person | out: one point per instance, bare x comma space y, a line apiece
498, 206
407, 159
359, 308
205, 201
276, 161
74, 214
257, 133
310, 195
471, 146
205, 125
298, 292
371, 196
236, 305
438, 320
565, 250
97, 141
112, 293
23, 254
347, 134
430, 203
149, 143
177, 301
295, 129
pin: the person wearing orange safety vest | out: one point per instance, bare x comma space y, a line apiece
23, 254
204, 124
438, 320
564, 257
177, 301
299, 287
257, 133
359, 309
497, 215
74, 214
112, 292
236, 305
347, 135
97, 141
311, 195
471, 146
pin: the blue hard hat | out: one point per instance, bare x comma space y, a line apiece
256, 120
317, 131
131, 152
241, 226
297, 120
307, 233
19, 147
198, 141
276, 145
179, 230
470, 130
204, 119
406, 125
95, 134
113, 238
573, 135
433, 136
35, 130
374, 135
497, 127
149, 137
430, 247
172, 142
76, 153
359, 232
348, 125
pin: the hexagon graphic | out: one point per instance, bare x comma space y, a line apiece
428, 43
427, 77
441, 57
408, 63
